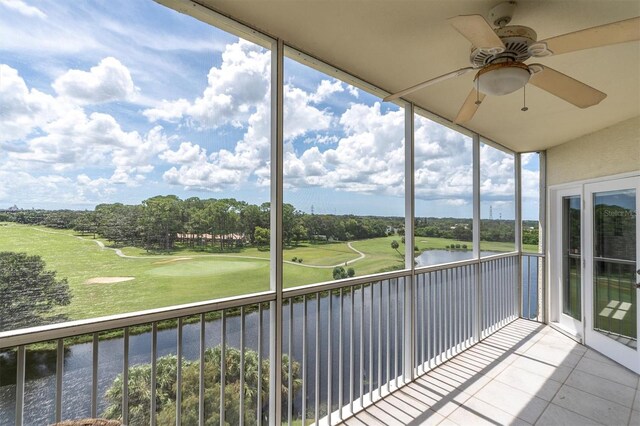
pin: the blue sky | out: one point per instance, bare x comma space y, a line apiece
123, 100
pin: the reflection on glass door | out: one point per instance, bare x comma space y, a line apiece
571, 258
614, 265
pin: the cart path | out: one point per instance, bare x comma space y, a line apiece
119, 253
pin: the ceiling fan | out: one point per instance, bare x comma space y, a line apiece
499, 57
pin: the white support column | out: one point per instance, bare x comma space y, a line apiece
477, 328
275, 311
518, 228
409, 212
542, 241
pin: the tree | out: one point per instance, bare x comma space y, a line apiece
351, 272
166, 367
261, 236
395, 245
161, 220
339, 273
29, 292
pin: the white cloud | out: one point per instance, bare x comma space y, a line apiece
497, 178
443, 161
55, 133
108, 81
353, 91
22, 188
238, 95
23, 109
233, 90
23, 8
325, 89
187, 153
369, 158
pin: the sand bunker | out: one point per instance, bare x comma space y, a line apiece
177, 259
108, 280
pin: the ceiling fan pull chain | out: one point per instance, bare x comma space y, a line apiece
524, 96
478, 101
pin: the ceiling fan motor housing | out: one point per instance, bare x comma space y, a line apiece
516, 39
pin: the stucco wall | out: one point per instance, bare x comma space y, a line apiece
606, 152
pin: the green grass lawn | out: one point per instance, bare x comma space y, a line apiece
188, 275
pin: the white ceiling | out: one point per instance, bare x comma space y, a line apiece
394, 44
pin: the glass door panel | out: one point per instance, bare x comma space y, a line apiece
611, 254
571, 258
614, 261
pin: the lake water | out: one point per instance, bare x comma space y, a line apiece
40, 384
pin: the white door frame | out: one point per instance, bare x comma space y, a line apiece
567, 324
624, 355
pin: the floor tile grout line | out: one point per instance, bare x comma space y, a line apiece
602, 378
633, 403
562, 383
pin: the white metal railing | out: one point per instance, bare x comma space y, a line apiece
532, 285
446, 313
345, 344
207, 318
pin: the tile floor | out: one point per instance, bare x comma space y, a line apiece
524, 374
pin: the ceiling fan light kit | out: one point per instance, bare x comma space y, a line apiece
499, 54
502, 78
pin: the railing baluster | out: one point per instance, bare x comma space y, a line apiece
388, 359
421, 294
223, 363
433, 323
94, 376
380, 340
371, 342
242, 361
317, 369
395, 334
259, 393
440, 317
362, 369
179, 356
201, 372
340, 356
59, 373
304, 359
455, 308
154, 370
529, 286
329, 355
125, 377
351, 347
20, 378
289, 369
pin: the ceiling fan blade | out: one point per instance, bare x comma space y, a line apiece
419, 86
477, 30
603, 35
469, 107
565, 87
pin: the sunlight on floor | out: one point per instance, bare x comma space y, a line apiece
526, 373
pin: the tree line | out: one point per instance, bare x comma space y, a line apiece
227, 224
160, 222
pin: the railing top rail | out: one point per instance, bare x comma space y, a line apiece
499, 256
441, 266
531, 254
31, 335
349, 282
